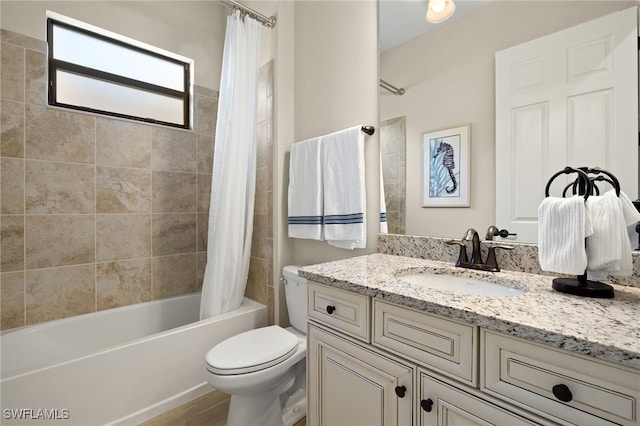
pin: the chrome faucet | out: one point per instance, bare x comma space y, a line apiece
476, 254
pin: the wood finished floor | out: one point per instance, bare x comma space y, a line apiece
208, 410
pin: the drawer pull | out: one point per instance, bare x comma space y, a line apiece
400, 391
562, 392
426, 405
331, 309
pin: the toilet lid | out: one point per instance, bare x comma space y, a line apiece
251, 351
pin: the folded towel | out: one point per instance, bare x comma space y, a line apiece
384, 227
609, 247
562, 229
305, 194
344, 189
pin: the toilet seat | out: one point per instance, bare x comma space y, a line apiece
251, 351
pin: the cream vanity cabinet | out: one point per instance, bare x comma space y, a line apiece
371, 362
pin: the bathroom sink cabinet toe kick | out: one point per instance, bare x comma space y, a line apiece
374, 362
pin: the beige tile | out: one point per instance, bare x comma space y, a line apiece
174, 275
123, 236
35, 78
23, 41
204, 192
121, 190
56, 135
11, 129
203, 231
53, 187
204, 154
12, 185
60, 292
201, 90
122, 143
201, 258
270, 215
174, 192
270, 166
257, 281
259, 243
123, 283
58, 240
12, 244
206, 112
173, 234
261, 204
261, 144
11, 300
173, 150
12, 72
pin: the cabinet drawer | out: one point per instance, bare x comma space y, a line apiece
441, 344
340, 309
559, 383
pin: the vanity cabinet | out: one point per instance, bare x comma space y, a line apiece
444, 404
414, 368
352, 385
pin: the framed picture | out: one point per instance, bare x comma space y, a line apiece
445, 167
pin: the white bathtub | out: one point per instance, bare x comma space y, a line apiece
119, 366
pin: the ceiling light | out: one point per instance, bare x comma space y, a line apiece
439, 10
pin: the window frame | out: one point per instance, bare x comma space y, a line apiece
53, 65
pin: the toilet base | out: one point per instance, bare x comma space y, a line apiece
294, 408
247, 410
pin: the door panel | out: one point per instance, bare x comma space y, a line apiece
566, 99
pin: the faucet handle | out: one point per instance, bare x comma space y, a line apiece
492, 263
462, 255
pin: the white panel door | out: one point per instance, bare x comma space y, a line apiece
566, 99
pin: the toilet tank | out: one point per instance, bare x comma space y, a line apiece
296, 293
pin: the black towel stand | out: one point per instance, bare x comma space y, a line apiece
584, 185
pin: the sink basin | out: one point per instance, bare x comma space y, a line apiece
458, 284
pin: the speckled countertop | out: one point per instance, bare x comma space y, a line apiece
607, 329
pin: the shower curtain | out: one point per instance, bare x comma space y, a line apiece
234, 170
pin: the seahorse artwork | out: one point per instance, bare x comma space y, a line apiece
448, 163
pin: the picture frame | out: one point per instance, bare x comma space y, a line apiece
446, 167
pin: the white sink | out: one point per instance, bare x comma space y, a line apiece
457, 284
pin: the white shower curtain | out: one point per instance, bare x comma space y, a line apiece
234, 170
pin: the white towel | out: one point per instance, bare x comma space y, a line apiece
384, 226
344, 189
305, 194
562, 229
609, 248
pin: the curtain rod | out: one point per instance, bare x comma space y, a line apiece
267, 21
390, 87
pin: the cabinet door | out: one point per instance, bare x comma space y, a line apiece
442, 404
351, 385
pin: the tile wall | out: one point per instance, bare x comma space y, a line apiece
392, 150
97, 212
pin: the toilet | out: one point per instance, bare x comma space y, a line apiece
264, 370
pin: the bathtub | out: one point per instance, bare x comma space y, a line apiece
120, 366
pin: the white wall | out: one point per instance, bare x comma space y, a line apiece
194, 29
448, 75
335, 81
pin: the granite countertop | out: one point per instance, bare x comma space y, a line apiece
607, 329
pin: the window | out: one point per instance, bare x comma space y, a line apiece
94, 70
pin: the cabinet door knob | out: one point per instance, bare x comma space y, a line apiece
330, 309
400, 391
426, 405
562, 392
